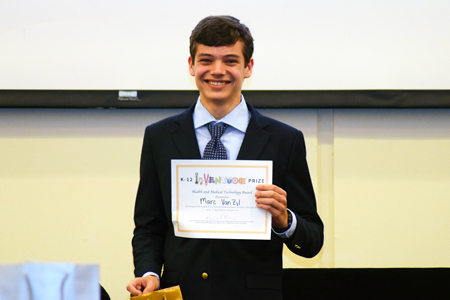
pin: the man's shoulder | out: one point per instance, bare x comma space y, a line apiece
163, 123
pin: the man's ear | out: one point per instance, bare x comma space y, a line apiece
191, 66
249, 69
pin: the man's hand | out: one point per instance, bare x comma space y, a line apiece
143, 285
273, 199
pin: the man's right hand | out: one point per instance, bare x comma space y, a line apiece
143, 285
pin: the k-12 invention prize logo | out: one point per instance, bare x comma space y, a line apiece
208, 179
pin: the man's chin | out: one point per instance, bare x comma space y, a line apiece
219, 97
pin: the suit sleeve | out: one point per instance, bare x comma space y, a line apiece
307, 239
149, 217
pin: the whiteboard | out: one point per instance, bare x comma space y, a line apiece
299, 45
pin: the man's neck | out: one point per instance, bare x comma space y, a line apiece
220, 109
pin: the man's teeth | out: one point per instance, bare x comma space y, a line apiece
217, 82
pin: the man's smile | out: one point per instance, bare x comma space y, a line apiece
218, 83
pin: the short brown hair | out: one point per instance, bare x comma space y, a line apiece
219, 31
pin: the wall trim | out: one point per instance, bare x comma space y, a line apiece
260, 99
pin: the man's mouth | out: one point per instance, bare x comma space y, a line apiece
217, 83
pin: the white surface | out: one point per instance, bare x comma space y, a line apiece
300, 45
214, 199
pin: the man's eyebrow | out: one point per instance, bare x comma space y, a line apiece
204, 54
210, 55
232, 55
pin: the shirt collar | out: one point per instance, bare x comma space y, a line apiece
237, 118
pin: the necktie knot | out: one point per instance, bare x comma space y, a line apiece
215, 149
216, 130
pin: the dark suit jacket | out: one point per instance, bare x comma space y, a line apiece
237, 269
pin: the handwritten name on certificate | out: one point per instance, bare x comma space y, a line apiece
215, 199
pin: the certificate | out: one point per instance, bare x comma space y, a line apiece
215, 199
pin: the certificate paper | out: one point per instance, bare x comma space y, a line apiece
215, 199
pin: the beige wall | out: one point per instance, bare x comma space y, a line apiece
68, 179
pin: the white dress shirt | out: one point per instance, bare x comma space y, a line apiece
237, 121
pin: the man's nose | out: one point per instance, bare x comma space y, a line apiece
218, 68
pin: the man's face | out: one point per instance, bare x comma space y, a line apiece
219, 73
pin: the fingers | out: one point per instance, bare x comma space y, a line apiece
143, 285
134, 287
273, 199
271, 187
271, 195
152, 284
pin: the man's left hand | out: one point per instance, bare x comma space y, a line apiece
273, 199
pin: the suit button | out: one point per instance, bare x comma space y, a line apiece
205, 276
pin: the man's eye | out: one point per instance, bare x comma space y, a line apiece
205, 60
231, 61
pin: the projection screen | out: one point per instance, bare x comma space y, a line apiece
299, 45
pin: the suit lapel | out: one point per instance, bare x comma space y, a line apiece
184, 135
254, 141
255, 137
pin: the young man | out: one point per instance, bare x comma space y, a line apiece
221, 51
